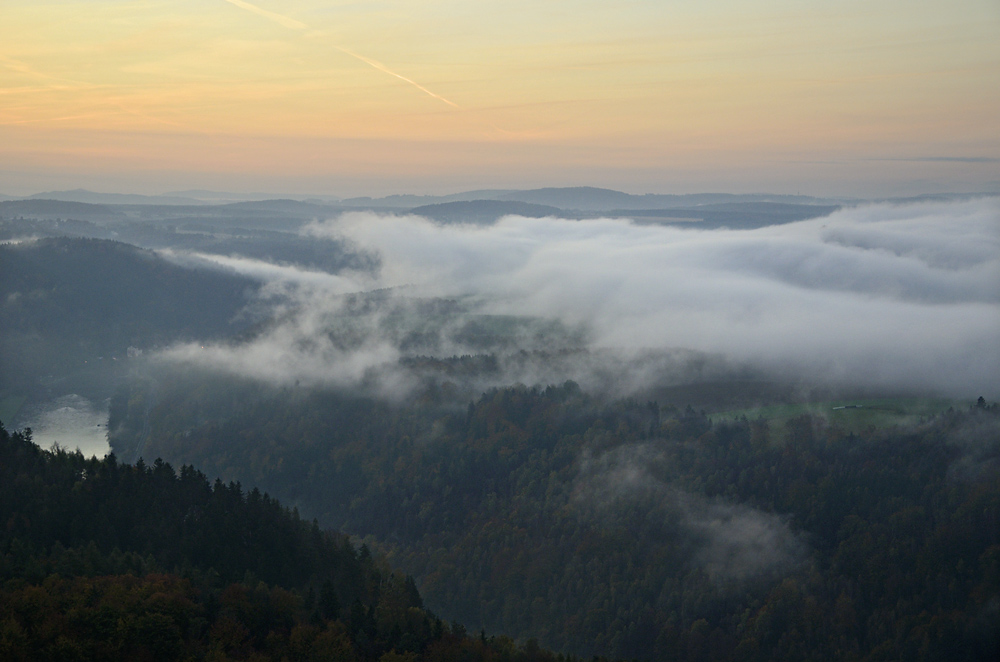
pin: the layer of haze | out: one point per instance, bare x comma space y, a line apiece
904, 298
71, 421
849, 98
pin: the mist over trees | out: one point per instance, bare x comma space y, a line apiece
628, 529
693, 428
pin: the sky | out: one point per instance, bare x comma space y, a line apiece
851, 98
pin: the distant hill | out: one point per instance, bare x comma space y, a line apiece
583, 198
733, 215
282, 205
407, 201
483, 211
215, 197
574, 198
568, 199
64, 301
93, 197
39, 208
941, 197
588, 198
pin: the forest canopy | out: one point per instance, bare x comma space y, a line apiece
101, 560
629, 529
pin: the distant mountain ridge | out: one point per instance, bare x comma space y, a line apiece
708, 210
587, 198
92, 197
568, 199
47, 208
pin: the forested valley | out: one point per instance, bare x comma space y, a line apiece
627, 529
723, 430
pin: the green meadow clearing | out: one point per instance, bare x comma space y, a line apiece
853, 415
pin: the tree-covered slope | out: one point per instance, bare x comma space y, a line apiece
107, 561
630, 529
102, 296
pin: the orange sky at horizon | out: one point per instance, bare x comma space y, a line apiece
848, 98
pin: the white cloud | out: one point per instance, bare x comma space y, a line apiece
279, 275
889, 296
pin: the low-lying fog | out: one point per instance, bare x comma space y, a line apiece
898, 297
72, 421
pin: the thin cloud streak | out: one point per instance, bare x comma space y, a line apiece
286, 21
293, 24
381, 67
22, 68
270, 273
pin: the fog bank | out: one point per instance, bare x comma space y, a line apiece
73, 422
888, 296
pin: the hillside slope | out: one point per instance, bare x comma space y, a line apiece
107, 561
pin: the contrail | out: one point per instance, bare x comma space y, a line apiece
384, 69
22, 68
292, 24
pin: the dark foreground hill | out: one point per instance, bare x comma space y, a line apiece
107, 561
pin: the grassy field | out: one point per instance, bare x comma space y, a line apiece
850, 415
